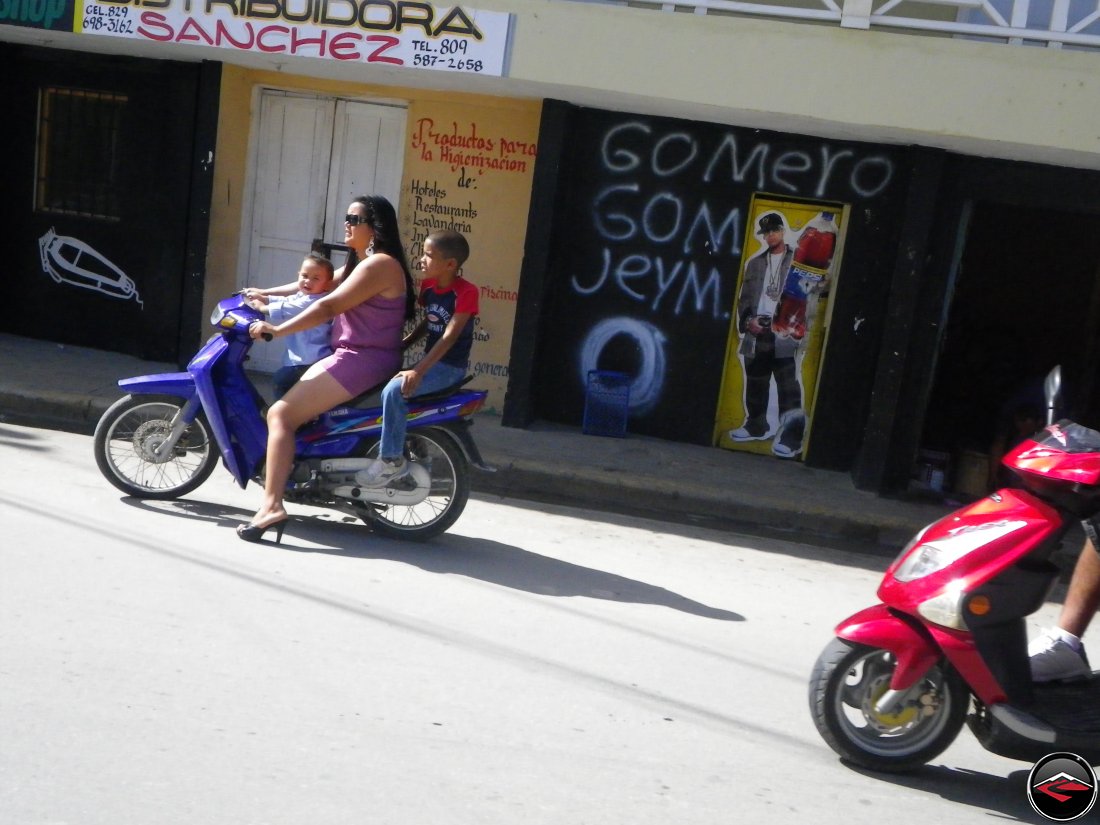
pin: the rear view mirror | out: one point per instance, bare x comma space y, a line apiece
1052, 388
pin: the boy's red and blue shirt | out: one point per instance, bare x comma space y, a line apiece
443, 303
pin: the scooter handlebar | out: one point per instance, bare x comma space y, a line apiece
243, 293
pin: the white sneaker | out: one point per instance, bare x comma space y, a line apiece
792, 429
1055, 659
751, 433
382, 471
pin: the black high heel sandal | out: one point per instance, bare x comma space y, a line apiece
250, 532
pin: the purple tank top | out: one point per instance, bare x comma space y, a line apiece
374, 324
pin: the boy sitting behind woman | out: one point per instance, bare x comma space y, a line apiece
450, 304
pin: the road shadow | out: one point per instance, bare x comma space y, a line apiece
850, 552
21, 439
485, 560
1004, 797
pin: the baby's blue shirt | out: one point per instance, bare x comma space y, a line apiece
306, 347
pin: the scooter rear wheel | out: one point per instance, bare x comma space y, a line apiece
450, 489
126, 440
847, 681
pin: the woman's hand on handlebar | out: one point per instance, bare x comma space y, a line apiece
261, 329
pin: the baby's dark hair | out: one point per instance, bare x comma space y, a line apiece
322, 262
451, 244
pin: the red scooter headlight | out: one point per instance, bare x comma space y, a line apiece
922, 559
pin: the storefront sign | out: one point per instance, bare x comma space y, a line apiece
55, 15
387, 32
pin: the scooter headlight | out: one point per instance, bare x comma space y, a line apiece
924, 559
220, 318
946, 608
903, 557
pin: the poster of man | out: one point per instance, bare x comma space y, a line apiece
777, 329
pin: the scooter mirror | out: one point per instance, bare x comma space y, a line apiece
1052, 386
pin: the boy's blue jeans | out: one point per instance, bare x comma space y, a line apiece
395, 406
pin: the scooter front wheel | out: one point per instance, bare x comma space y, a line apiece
129, 441
847, 682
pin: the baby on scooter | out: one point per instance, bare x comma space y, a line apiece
315, 278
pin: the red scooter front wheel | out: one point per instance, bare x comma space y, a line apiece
847, 682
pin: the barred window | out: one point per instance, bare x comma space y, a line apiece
79, 152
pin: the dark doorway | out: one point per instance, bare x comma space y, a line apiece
1025, 296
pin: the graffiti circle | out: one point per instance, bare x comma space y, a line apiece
645, 388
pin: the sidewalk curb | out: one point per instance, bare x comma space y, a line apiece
627, 495
54, 410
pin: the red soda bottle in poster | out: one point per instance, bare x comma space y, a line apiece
808, 269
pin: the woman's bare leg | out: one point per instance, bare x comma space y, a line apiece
316, 392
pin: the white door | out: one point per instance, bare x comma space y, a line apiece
367, 152
311, 153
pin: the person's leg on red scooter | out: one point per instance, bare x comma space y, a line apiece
1059, 653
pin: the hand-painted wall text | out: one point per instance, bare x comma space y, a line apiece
656, 228
672, 226
470, 170
465, 150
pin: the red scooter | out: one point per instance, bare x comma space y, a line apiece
893, 689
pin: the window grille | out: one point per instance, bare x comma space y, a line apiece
79, 152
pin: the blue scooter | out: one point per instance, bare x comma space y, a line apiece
162, 440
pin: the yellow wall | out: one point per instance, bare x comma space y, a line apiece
986, 99
479, 160
500, 197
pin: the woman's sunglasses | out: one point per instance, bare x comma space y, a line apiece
355, 220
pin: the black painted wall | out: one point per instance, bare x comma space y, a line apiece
943, 187
161, 210
640, 243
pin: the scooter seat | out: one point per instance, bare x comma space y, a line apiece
373, 396
439, 395
368, 398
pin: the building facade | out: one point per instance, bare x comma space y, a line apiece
614, 168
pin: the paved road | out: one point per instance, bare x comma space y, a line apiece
535, 665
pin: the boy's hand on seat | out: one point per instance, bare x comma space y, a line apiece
410, 380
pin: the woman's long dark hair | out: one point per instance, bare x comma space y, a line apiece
382, 219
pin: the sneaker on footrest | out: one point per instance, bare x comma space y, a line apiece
1054, 660
382, 471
